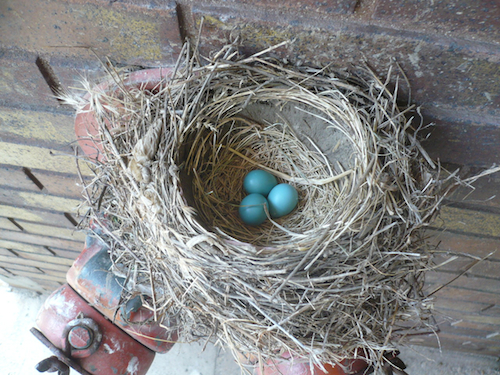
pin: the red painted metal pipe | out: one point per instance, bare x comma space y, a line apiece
115, 352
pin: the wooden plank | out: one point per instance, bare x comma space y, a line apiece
38, 216
40, 158
47, 127
38, 200
52, 183
36, 239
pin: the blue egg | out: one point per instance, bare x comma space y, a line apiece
252, 210
259, 182
282, 199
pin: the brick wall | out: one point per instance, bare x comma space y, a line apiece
449, 50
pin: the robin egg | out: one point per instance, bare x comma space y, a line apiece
252, 209
282, 199
260, 182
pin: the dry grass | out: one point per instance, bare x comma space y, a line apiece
344, 271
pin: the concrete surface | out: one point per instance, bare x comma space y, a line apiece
20, 351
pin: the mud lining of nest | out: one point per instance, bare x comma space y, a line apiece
343, 272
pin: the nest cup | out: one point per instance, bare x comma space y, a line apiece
341, 274
267, 133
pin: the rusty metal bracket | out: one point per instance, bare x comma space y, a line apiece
61, 356
53, 364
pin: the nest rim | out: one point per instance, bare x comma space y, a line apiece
317, 358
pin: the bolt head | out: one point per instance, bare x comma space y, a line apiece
80, 337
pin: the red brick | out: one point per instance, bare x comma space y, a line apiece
486, 269
483, 299
37, 127
441, 73
470, 220
471, 283
29, 283
21, 84
41, 240
60, 184
13, 267
463, 143
481, 332
456, 87
12, 176
56, 219
291, 7
486, 192
457, 18
462, 243
126, 33
460, 343
27, 199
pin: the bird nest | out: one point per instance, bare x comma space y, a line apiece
343, 272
